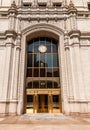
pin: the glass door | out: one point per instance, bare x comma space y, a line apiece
42, 103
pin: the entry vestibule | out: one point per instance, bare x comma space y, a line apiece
43, 103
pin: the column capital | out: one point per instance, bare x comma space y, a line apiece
75, 37
11, 33
74, 33
10, 37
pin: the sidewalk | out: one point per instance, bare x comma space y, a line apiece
44, 122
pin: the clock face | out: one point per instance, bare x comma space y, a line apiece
42, 48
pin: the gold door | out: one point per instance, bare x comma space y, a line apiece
42, 103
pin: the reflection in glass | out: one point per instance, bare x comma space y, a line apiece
36, 48
36, 72
36, 60
42, 40
55, 85
42, 72
48, 48
42, 58
49, 60
56, 101
43, 64
30, 85
48, 41
49, 84
49, 72
36, 41
29, 60
55, 60
36, 84
42, 84
54, 48
29, 101
55, 72
29, 72
30, 48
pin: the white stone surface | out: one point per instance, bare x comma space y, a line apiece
72, 30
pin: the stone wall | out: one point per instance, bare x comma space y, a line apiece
72, 29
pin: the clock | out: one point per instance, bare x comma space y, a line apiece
42, 48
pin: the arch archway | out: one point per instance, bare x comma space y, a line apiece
31, 32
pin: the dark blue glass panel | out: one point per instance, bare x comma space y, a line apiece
48, 41
48, 48
55, 72
49, 60
29, 60
55, 60
36, 41
30, 48
42, 40
54, 48
36, 48
42, 58
36, 60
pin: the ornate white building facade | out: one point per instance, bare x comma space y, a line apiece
44, 56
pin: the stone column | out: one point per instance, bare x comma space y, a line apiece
14, 96
16, 69
63, 80
8, 71
80, 84
78, 75
68, 65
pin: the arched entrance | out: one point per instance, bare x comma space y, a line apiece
29, 33
43, 78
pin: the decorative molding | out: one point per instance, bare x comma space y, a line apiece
11, 33
71, 8
74, 33
13, 8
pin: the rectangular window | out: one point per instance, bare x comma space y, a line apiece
57, 5
29, 101
89, 6
56, 101
27, 4
42, 5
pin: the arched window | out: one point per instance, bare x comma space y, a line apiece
42, 58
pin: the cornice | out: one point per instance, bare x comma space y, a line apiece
41, 17
85, 35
